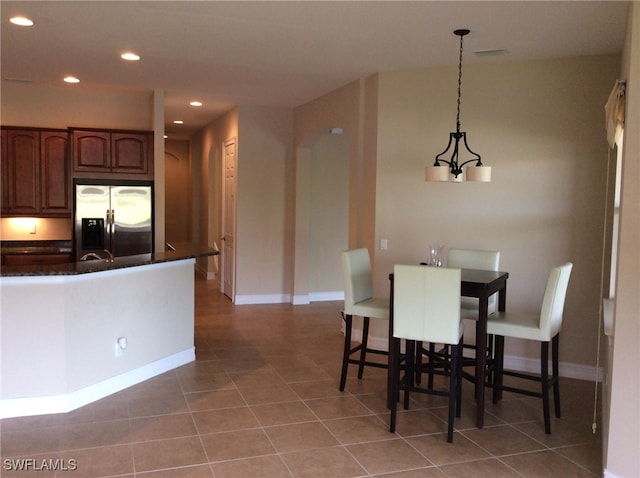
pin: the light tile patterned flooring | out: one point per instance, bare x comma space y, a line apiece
262, 400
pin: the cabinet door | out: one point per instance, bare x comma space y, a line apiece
91, 151
130, 153
35, 259
23, 147
55, 174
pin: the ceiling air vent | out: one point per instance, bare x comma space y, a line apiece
494, 52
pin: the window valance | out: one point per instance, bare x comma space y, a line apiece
614, 113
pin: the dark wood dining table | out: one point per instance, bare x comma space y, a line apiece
474, 283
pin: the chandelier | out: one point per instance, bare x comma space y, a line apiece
454, 171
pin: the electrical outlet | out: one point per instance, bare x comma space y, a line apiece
121, 345
383, 244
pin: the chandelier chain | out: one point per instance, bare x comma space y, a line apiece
459, 87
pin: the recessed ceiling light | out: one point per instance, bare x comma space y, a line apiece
130, 56
178, 122
196, 103
21, 21
71, 79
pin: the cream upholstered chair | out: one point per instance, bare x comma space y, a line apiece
544, 328
359, 301
426, 307
474, 259
467, 259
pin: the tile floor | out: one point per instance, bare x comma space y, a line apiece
262, 400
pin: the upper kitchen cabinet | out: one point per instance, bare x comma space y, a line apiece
112, 153
55, 174
35, 173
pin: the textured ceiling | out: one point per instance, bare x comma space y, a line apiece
282, 53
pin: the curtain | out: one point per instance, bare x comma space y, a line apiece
614, 113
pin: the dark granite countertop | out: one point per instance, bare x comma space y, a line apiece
182, 251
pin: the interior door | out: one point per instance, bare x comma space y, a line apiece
229, 218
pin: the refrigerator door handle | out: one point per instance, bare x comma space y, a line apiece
107, 228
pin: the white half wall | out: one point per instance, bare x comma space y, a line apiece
60, 334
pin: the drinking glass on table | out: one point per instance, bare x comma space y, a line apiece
435, 255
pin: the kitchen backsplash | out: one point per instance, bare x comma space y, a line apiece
35, 229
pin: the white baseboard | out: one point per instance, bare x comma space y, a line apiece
204, 273
301, 299
326, 296
19, 407
512, 362
262, 299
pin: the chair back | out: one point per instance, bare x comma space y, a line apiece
553, 302
475, 259
426, 304
356, 270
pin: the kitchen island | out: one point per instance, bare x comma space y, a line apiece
74, 333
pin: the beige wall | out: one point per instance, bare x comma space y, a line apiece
19, 229
177, 164
328, 215
31, 105
263, 209
353, 109
540, 126
206, 183
264, 222
623, 440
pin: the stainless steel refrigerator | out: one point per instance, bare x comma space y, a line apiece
114, 217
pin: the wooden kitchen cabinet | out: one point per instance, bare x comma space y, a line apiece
23, 169
91, 151
35, 259
112, 153
55, 174
35, 173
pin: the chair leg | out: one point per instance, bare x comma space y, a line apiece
544, 378
555, 347
490, 357
459, 379
453, 390
410, 370
365, 344
432, 352
395, 383
498, 365
348, 322
418, 363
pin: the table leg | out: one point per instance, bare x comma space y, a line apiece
502, 306
481, 358
391, 358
